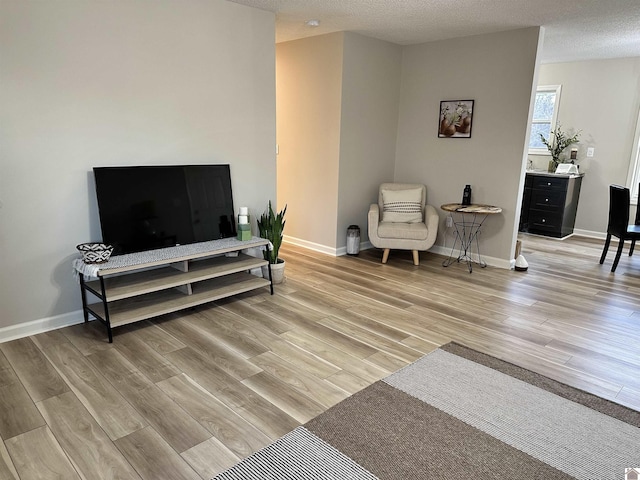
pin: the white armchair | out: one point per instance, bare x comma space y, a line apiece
401, 220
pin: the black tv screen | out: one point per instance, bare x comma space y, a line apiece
149, 207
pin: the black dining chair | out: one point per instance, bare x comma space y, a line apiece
619, 201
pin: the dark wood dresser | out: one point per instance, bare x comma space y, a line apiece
549, 204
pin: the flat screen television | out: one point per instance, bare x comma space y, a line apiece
150, 207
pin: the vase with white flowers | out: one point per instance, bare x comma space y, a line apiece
557, 143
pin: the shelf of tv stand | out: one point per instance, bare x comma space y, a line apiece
129, 292
141, 307
149, 281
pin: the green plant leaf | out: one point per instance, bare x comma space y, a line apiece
271, 227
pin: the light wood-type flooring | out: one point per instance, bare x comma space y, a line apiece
187, 395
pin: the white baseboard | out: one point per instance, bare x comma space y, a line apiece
438, 249
590, 234
316, 247
13, 332
576, 232
493, 261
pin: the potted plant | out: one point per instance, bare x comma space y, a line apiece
271, 226
557, 143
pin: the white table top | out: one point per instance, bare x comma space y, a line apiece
473, 208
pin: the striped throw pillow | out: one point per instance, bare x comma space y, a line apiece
402, 206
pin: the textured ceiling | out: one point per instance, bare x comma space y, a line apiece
574, 29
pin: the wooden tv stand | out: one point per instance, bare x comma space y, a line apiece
143, 285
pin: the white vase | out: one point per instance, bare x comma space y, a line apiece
277, 271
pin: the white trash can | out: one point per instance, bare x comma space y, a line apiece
353, 240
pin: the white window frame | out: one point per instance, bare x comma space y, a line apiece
554, 117
634, 165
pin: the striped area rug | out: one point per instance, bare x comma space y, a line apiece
457, 413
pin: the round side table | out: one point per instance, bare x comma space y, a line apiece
468, 226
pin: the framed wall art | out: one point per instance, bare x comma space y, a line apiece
456, 119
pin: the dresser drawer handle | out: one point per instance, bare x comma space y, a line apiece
544, 221
546, 199
548, 184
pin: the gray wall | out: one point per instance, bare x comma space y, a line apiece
369, 122
309, 95
498, 72
337, 110
354, 112
601, 98
89, 84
